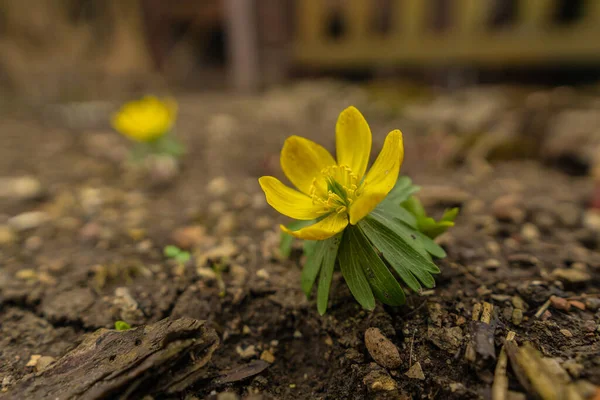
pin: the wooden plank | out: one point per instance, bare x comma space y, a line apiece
310, 16
242, 44
535, 14
357, 15
410, 17
507, 48
471, 16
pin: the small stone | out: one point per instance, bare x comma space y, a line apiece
379, 381
415, 372
207, 274
592, 303
227, 396
33, 243
241, 200
383, 351
530, 232
267, 356
259, 202
590, 326
263, 274
248, 352
28, 220
559, 303
43, 363
492, 263
21, 188
570, 275
33, 360
566, 333
27, 274
297, 334
517, 316
579, 266
508, 208
449, 339
217, 207
218, 186
189, 236
518, 302
546, 315
493, 248
91, 231
264, 222
591, 219
226, 224
7, 235
577, 304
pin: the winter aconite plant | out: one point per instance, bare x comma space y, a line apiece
149, 123
353, 218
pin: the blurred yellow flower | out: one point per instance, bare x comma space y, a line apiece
147, 119
334, 193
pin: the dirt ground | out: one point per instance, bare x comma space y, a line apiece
81, 246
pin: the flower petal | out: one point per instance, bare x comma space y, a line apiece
324, 229
353, 141
302, 161
381, 178
289, 201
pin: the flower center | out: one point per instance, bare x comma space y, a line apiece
335, 189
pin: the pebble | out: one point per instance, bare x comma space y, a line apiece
258, 201
415, 372
592, 303
530, 232
517, 316
570, 275
523, 260
43, 363
226, 224
227, 396
590, 326
33, 360
559, 303
21, 188
189, 236
263, 274
263, 222
566, 333
217, 207
241, 200
248, 352
507, 208
27, 274
91, 231
218, 186
518, 302
383, 351
28, 220
7, 235
591, 220
267, 356
33, 243
577, 304
162, 169
379, 381
492, 263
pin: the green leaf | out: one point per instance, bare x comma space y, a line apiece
312, 266
286, 241
430, 246
171, 251
353, 273
122, 326
389, 208
426, 224
330, 255
363, 257
183, 257
414, 206
404, 259
450, 214
167, 144
402, 190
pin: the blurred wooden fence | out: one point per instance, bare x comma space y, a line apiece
533, 36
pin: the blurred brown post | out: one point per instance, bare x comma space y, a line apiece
242, 44
274, 31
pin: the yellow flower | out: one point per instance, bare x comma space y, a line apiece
147, 119
335, 193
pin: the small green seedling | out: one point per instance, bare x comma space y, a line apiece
122, 326
428, 225
176, 254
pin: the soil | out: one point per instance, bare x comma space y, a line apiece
92, 254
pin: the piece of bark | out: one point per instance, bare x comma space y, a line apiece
161, 358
